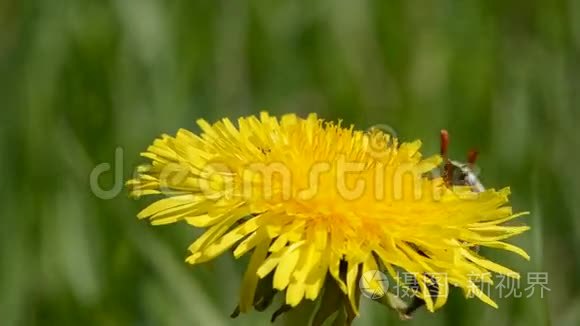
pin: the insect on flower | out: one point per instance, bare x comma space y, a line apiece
455, 173
315, 206
459, 173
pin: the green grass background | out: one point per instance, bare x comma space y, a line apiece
80, 78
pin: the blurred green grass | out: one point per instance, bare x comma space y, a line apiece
80, 78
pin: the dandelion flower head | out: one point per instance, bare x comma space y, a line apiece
317, 205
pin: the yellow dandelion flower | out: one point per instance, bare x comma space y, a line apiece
318, 205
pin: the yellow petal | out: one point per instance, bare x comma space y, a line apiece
166, 203
489, 264
286, 268
250, 281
